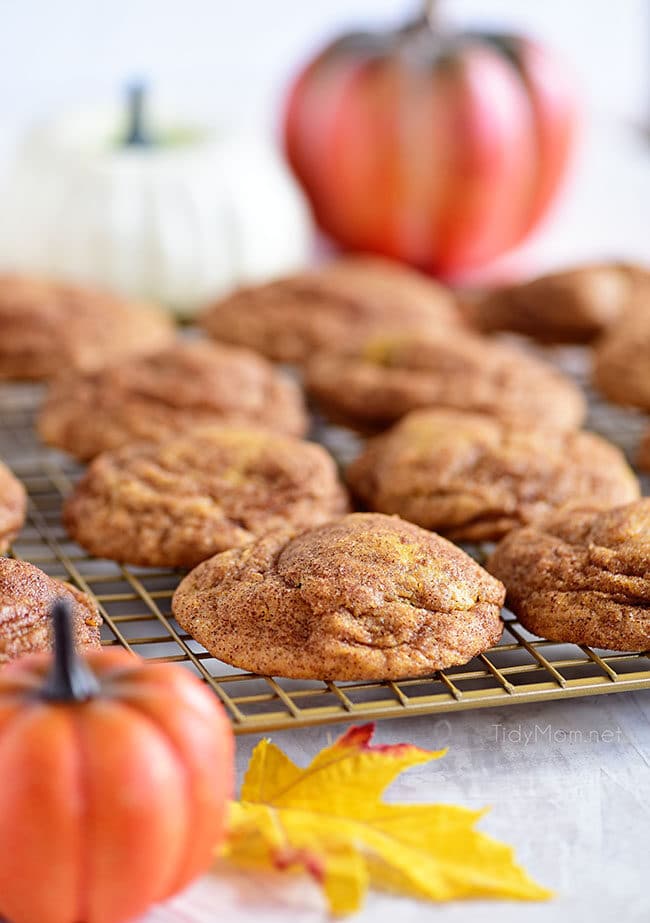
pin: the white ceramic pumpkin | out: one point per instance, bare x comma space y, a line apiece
179, 221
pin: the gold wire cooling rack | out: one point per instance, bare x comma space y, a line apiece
136, 606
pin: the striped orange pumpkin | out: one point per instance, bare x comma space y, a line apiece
442, 150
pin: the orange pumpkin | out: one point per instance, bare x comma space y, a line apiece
114, 780
436, 148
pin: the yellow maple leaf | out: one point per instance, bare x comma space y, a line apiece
329, 819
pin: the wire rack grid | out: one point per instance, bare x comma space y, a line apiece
136, 607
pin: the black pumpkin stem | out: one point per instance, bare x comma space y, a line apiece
70, 679
137, 134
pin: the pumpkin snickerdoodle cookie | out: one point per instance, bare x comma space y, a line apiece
157, 396
622, 362
330, 307
49, 325
26, 597
363, 597
582, 577
13, 503
177, 503
474, 478
390, 376
573, 306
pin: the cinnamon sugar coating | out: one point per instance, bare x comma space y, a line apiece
49, 325
331, 307
177, 503
158, 396
393, 375
573, 306
26, 597
473, 478
13, 505
363, 597
622, 362
582, 577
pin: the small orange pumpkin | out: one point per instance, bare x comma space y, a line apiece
114, 780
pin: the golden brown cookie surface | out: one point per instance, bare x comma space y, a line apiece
474, 478
26, 597
157, 396
182, 501
393, 375
573, 306
363, 597
13, 504
331, 308
48, 326
582, 577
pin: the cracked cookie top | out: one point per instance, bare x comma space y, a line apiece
48, 326
473, 477
177, 503
330, 307
365, 596
392, 375
13, 504
582, 577
154, 397
26, 597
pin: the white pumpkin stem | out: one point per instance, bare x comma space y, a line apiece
432, 14
137, 134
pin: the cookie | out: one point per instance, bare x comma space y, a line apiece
622, 362
582, 577
182, 501
330, 308
474, 478
643, 454
574, 306
13, 505
373, 387
26, 597
48, 326
155, 397
363, 597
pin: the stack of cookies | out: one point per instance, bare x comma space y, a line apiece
197, 460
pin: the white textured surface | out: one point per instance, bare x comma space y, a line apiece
569, 789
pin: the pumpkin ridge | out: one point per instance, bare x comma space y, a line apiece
174, 748
83, 792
